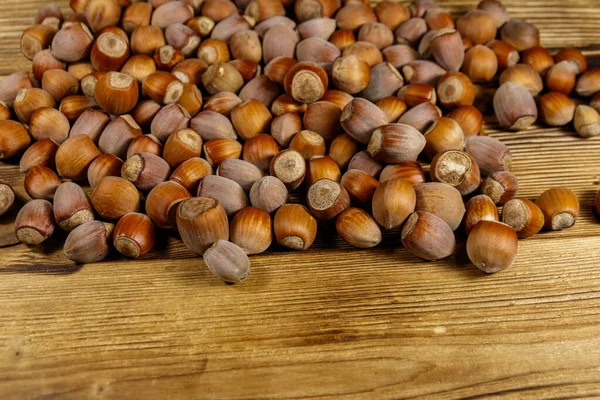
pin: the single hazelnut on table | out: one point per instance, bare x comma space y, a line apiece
71, 206
428, 236
88, 243
251, 229
201, 222
162, 202
560, 207
492, 246
524, 216
40, 183
227, 261
268, 194
479, 208
134, 235
115, 197
35, 222
294, 227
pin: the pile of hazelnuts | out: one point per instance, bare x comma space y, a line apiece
201, 117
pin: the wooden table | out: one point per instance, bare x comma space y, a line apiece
332, 322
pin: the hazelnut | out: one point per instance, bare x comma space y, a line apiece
88, 243
227, 261
190, 172
358, 228
34, 222
268, 194
201, 222
251, 230
115, 197
294, 227
492, 246
326, 198
40, 183
456, 168
134, 235
479, 208
428, 236
524, 216
162, 203
560, 207
228, 192
71, 206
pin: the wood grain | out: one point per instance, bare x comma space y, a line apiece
333, 322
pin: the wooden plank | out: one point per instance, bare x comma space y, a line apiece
332, 322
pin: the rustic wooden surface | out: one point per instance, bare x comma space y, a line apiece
329, 323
